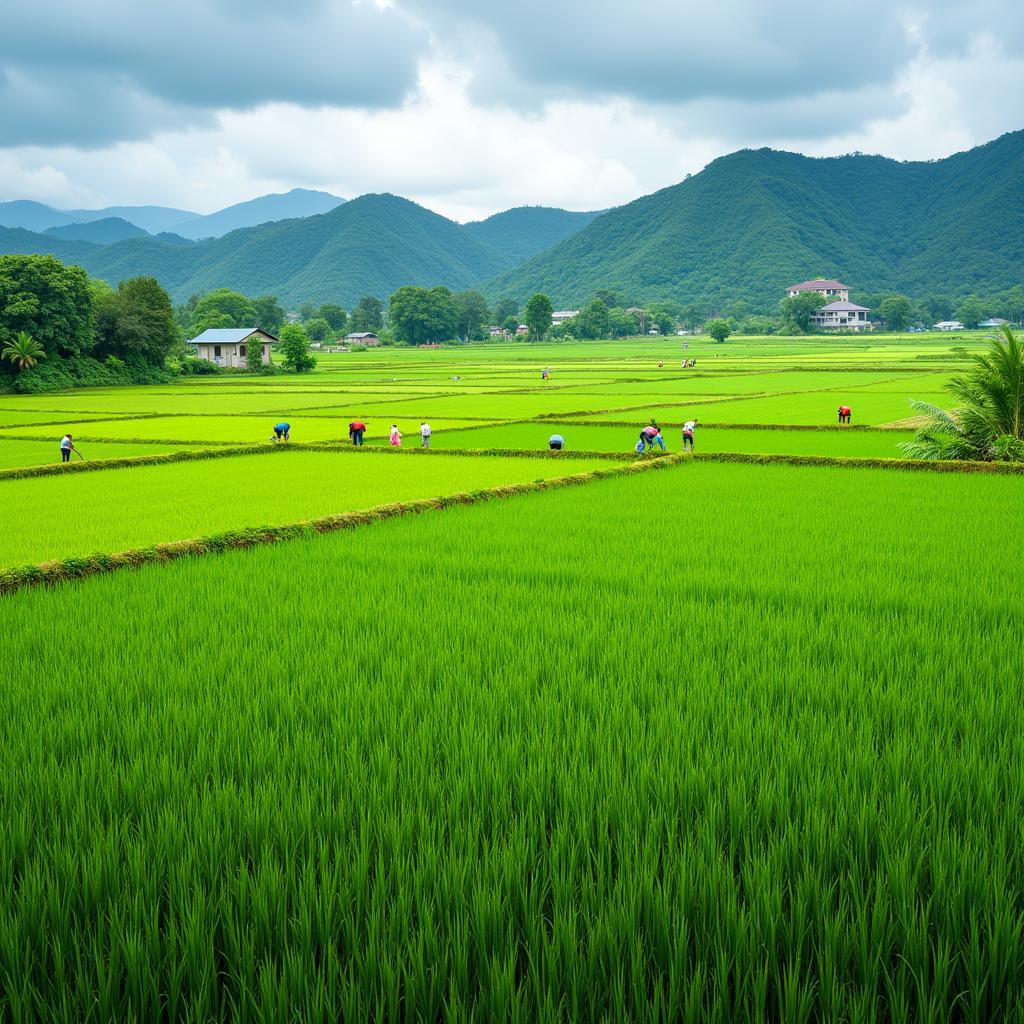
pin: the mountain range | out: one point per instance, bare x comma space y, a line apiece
743, 228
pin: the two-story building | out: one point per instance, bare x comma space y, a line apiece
841, 316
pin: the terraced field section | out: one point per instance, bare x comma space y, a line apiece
620, 751
72, 515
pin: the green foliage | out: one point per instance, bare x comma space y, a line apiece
537, 316
622, 324
510, 324
368, 316
143, 321
796, 311
317, 329
23, 351
420, 315
971, 311
897, 311
269, 314
471, 315
988, 421
505, 308
718, 329
763, 325
593, 321
60, 374
295, 349
948, 226
222, 308
254, 354
48, 300
516, 235
335, 316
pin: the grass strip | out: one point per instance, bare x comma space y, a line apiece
925, 465
64, 570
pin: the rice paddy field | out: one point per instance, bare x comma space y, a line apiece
496, 733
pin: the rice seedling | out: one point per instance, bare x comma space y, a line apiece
75, 515
685, 763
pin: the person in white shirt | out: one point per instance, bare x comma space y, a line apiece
396, 436
67, 446
424, 435
688, 428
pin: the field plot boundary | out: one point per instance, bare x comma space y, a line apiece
220, 451
827, 427
64, 570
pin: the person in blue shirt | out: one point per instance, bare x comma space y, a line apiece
556, 442
281, 432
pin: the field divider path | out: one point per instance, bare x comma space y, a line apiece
69, 569
843, 462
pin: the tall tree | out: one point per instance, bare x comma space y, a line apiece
50, 301
420, 315
335, 316
269, 314
317, 329
295, 349
471, 313
223, 308
537, 316
368, 315
504, 309
797, 310
145, 320
718, 329
897, 311
970, 311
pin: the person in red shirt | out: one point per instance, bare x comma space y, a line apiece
355, 431
844, 414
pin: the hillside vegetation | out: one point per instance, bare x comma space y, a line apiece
755, 221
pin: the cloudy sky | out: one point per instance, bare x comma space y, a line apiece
472, 106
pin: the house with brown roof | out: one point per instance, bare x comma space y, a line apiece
832, 290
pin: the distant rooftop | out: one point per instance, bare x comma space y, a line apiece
819, 286
228, 335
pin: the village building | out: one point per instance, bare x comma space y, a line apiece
365, 338
948, 325
841, 316
522, 329
228, 346
559, 316
996, 321
832, 290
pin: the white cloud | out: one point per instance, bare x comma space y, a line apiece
582, 115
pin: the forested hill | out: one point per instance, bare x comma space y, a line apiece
525, 231
755, 221
368, 246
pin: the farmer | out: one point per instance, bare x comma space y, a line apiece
396, 436
355, 431
648, 435
688, 428
556, 442
844, 414
424, 435
282, 431
67, 446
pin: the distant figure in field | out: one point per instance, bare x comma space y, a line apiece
424, 435
652, 435
396, 436
688, 428
661, 363
844, 414
67, 446
543, 374
282, 431
355, 430
556, 442
686, 345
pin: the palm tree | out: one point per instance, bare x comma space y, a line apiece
24, 351
988, 422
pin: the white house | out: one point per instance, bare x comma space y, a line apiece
948, 325
559, 316
228, 346
841, 316
367, 338
832, 290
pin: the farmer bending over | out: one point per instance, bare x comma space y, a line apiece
282, 431
67, 446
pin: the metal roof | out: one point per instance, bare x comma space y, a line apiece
843, 307
228, 335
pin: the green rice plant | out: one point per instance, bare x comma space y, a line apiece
73, 515
15, 454
747, 747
